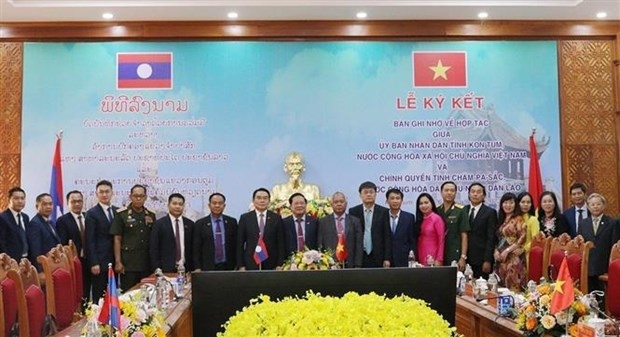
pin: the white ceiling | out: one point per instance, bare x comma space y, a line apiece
157, 10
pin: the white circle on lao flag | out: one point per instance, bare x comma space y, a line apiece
144, 70
258, 249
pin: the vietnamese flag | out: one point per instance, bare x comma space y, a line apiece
341, 249
563, 292
439, 69
535, 185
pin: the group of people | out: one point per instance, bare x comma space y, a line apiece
136, 243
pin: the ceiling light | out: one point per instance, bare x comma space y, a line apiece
232, 15
361, 15
601, 15
483, 15
107, 16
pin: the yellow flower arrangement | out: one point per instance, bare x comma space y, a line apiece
310, 260
316, 208
138, 317
350, 315
535, 318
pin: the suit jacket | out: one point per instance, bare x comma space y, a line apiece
403, 239
10, 234
162, 245
99, 242
41, 239
481, 239
310, 230
354, 237
380, 231
204, 243
247, 239
570, 215
561, 225
68, 229
603, 239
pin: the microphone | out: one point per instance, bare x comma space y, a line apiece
550, 272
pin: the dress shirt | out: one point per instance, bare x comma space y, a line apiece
182, 234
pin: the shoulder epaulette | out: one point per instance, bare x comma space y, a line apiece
458, 206
121, 209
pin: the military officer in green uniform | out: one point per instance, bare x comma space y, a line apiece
131, 230
457, 226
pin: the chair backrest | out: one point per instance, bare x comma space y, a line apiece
612, 297
539, 256
60, 298
30, 299
577, 253
76, 273
8, 295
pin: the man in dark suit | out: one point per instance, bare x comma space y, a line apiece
300, 229
215, 238
579, 211
402, 227
13, 230
72, 226
256, 223
330, 226
40, 232
600, 229
171, 238
376, 225
99, 249
481, 239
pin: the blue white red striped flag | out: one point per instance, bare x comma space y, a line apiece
111, 310
56, 181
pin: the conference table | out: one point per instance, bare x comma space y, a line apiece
178, 318
476, 320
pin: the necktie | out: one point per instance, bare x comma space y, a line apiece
49, 223
340, 226
22, 234
261, 223
367, 232
595, 223
393, 223
177, 238
110, 214
579, 218
471, 215
219, 247
82, 233
300, 235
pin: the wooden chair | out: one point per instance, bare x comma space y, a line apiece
30, 299
76, 275
60, 297
8, 296
612, 293
539, 256
577, 255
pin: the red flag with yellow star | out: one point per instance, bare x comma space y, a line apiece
341, 249
439, 69
563, 292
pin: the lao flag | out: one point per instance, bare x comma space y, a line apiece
56, 182
260, 253
144, 70
111, 309
439, 69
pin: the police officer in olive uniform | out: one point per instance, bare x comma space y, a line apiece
457, 226
131, 230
